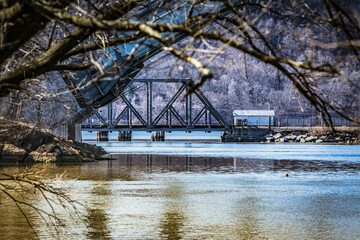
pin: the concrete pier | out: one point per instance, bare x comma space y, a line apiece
158, 136
245, 134
124, 135
102, 136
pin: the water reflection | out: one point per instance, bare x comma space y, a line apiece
134, 167
188, 197
163, 163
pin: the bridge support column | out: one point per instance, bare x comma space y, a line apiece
158, 136
102, 136
72, 132
73, 125
124, 135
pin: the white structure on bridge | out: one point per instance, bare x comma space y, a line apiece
254, 117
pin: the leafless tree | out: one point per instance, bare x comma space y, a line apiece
20, 189
313, 44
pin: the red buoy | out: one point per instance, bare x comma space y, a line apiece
286, 174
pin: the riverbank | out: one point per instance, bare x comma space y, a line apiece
349, 135
315, 134
22, 142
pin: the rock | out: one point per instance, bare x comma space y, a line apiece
290, 137
296, 133
323, 138
342, 135
35, 139
319, 141
298, 138
311, 139
278, 135
49, 148
330, 139
302, 140
44, 156
49, 152
269, 138
21, 141
280, 140
10, 152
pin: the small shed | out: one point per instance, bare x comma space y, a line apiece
254, 117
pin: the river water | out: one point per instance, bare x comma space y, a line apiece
202, 190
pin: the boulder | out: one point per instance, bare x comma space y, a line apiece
10, 152
311, 139
21, 141
44, 157
299, 137
330, 139
49, 148
269, 138
319, 141
343, 135
278, 135
35, 139
290, 137
323, 138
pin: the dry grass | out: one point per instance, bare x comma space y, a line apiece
320, 130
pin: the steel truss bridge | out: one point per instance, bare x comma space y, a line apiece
169, 119
93, 89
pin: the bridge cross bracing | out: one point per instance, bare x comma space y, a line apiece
93, 89
168, 119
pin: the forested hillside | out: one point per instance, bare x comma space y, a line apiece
296, 57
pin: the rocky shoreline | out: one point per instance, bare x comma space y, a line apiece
303, 137
21, 142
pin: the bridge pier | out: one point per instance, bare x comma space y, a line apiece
125, 135
245, 134
102, 136
158, 136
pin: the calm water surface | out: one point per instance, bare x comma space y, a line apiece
179, 190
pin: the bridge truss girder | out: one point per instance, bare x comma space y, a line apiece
186, 120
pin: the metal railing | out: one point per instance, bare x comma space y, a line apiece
309, 122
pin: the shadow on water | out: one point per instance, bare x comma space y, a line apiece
246, 213
96, 218
320, 210
173, 217
13, 225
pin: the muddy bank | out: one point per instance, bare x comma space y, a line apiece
21, 142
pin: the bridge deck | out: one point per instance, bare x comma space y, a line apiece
198, 128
